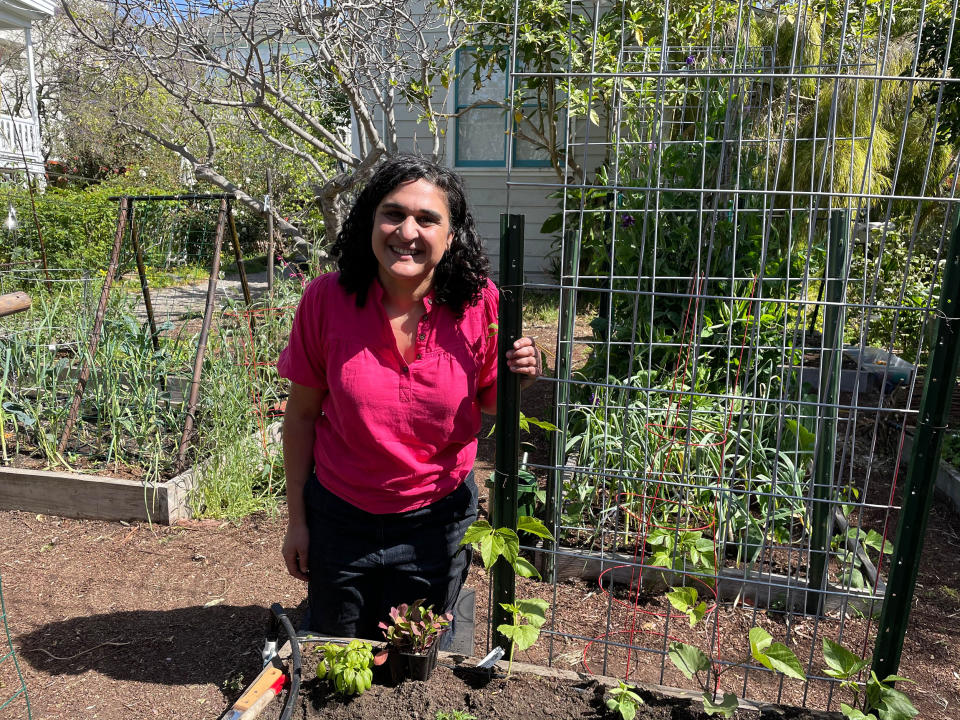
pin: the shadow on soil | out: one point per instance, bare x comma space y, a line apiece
217, 645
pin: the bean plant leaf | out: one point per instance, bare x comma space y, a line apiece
542, 424
524, 568
688, 659
875, 541
851, 713
760, 640
841, 663
522, 636
534, 611
476, 532
683, 598
493, 544
624, 701
773, 655
890, 704
726, 707
532, 525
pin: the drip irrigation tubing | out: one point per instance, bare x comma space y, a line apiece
295, 670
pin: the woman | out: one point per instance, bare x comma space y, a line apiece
391, 361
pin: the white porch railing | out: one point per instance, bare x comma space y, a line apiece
13, 132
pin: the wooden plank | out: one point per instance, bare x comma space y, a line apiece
765, 590
85, 496
13, 303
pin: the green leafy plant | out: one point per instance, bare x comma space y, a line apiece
454, 715
691, 661
773, 655
672, 548
495, 543
528, 617
884, 701
624, 701
684, 599
414, 628
348, 667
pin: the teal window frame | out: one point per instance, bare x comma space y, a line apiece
502, 162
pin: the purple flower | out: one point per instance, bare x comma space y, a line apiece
691, 60
628, 221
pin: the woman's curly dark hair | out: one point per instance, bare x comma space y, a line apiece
462, 272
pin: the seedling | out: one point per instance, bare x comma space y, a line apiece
347, 667
684, 599
691, 661
492, 544
528, 617
887, 702
414, 628
454, 715
624, 701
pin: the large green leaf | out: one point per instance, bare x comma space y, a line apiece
534, 611
726, 707
524, 568
841, 663
523, 636
477, 531
688, 659
774, 656
532, 525
683, 598
851, 713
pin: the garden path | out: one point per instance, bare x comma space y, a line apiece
173, 303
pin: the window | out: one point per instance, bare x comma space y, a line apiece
481, 133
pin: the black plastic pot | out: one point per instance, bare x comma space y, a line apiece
412, 666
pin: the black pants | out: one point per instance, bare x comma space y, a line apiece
363, 564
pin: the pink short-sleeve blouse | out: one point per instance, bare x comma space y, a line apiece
393, 436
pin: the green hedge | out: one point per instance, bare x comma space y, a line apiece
78, 225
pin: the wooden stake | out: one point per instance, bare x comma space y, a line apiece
241, 268
142, 272
204, 334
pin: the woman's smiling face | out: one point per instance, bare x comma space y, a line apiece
411, 232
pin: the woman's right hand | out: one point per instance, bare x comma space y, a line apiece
296, 545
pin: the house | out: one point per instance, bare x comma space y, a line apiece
20, 147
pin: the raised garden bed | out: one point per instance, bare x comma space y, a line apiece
102, 497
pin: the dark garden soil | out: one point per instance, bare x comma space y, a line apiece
115, 621
458, 687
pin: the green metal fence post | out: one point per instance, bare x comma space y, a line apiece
838, 258
922, 471
508, 412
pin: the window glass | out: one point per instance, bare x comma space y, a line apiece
480, 136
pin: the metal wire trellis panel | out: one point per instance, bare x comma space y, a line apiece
754, 203
14, 695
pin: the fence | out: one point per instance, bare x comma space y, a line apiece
760, 221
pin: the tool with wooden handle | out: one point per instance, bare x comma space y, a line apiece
267, 685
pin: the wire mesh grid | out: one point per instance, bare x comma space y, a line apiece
13, 687
757, 224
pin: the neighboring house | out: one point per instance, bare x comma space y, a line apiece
20, 147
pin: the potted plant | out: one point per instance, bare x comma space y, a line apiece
412, 634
